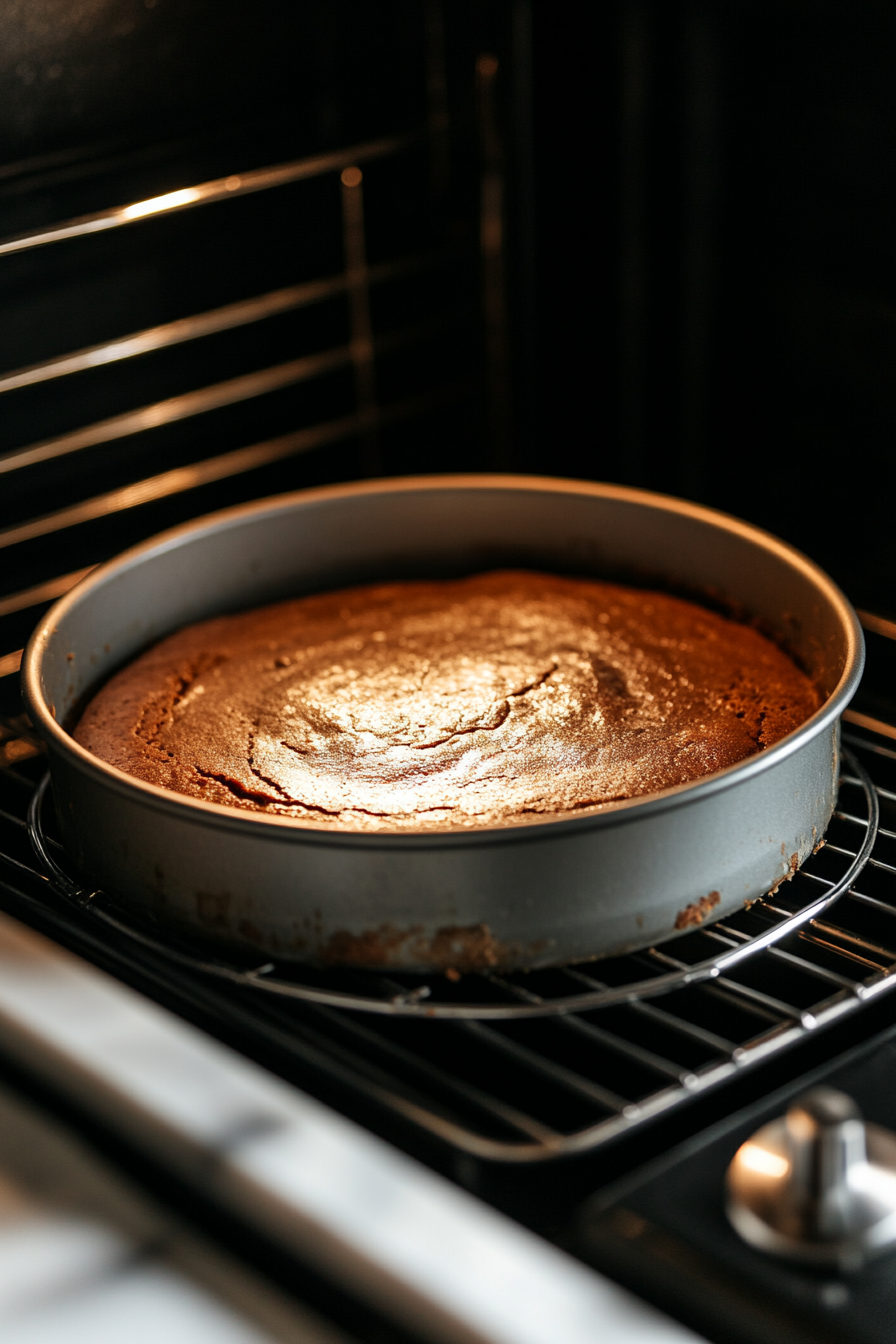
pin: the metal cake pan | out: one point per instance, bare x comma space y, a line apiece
538, 893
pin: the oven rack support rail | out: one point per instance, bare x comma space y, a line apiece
363, 286
726, 943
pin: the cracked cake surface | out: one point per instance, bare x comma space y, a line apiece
418, 705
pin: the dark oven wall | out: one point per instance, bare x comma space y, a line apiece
716, 207
181, 328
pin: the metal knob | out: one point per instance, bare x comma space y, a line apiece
817, 1185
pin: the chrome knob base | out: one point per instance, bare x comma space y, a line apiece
817, 1185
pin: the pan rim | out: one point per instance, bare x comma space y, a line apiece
531, 829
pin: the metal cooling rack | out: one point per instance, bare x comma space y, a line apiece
706, 954
563, 1082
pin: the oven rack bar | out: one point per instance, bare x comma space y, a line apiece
42, 592
201, 400
179, 480
525, 1091
192, 477
226, 318
332, 415
223, 465
209, 193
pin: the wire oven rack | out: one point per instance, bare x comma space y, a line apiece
587, 1066
709, 954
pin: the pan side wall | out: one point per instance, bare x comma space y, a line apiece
539, 898
531, 896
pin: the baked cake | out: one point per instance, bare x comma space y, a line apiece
436, 705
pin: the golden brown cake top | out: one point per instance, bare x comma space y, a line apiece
421, 705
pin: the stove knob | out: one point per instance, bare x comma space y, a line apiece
817, 1185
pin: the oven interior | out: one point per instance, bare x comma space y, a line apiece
338, 241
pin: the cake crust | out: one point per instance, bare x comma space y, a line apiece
441, 705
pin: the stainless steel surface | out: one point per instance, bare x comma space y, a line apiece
631, 872
817, 1185
323, 1190
85, 1255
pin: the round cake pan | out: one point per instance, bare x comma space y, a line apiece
542, 892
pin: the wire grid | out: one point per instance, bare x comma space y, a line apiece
523, 1090
707, 954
